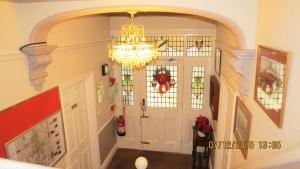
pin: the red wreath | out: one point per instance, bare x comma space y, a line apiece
162, 77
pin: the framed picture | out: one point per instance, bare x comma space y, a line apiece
242, 124
105, 69
214, 95
271, 82
218, 59
42, 144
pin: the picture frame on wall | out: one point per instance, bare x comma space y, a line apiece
271, 82
43, 144
214, 96
105, 69
218, 59
242, 125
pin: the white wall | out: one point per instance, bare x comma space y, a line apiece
82, 48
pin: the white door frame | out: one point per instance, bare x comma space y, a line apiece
89, 83
224, 130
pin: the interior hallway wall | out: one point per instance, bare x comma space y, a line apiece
277, 28
82, 48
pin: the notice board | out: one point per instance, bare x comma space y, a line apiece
35, 123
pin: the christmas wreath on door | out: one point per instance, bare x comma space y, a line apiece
162, 81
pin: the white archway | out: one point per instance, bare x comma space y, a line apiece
41, 30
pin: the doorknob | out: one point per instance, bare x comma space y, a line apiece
143, 105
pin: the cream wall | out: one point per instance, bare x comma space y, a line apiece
277, 27
161, 23
9, 28
81, 49
225, 36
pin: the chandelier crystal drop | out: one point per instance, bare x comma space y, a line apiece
131, 49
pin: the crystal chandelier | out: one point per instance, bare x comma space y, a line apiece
131, 49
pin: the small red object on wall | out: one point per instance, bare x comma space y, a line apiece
113, 107
23, 116
112, 81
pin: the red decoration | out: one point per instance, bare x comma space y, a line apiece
199, 44
269, 82
23, 116
113, 107
162, 80
203, 124
112, 81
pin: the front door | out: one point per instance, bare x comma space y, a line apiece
161, 89
153, 106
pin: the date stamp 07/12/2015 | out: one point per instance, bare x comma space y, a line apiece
244, 144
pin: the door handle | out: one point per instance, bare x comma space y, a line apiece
144, 142
143, 105
144, 102
145, 117
74, 106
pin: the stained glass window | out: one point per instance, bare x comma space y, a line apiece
199, 45
127, 86
167, 45
197, 87
161, 86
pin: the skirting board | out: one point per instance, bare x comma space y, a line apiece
109, 157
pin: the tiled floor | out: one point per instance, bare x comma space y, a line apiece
125, 158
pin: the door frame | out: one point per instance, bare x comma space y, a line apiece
184, 131
89, 84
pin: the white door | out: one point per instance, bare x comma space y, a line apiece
158, 128
161, 120
76, 125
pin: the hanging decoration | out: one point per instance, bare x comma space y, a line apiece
162, 81
199, 44
132, 50
127, 84
197, 86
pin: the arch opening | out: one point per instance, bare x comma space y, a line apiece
42, 29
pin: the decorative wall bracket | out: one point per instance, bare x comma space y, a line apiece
38, 59
243, 64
